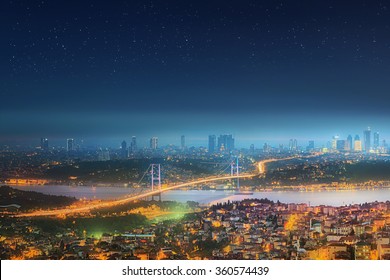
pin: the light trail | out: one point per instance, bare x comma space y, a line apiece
107, 204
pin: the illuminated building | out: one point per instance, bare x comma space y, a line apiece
310, 147
154, 143
44, 144
103, 155
376, 140
362, 251
341, 145
212, 143
357, 144
334, 142
367, 140
349, 143
226, 142
383, 148
293, 145
252, 149
70, 144
266, 148
133, 144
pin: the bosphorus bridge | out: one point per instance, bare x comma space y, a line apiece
156, 190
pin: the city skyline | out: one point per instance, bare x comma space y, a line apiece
187, 140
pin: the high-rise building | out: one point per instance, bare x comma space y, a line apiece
225, 142
212, 143
124, 145
329, 145
70, 144
183, 142
310, 147
293, 145
154, 143
266, 148
357, 145
252, 149
341, 145
124, 149
367, 140
349, 143
383, 148
133, 144
376, 140
103, 155
44, 144
334, 142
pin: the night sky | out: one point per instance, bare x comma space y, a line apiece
261, 70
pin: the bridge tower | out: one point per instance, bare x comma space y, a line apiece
234, 168
156, 180
238, 173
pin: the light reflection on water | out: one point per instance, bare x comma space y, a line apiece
334, 198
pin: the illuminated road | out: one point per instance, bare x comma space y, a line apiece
261, 165
106, 204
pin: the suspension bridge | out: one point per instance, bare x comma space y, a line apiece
156, 189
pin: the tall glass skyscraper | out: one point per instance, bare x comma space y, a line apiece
367, 140
133, 144
293, 145
357, 145
226, 142
69, 144
154, 143
212, 140
124, 151
349, 143
376, 140
44, 144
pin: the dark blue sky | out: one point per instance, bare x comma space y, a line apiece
258, 69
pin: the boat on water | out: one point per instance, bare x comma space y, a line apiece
243, 193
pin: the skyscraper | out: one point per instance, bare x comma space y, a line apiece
154, 143
183, 142
103, 155
293, 145
124, 149
44, 144
266, 148
367, 140
70, 144
212, 142
226, 142
341, 145
384, 146
252, 149
349, 143
357, 145
376, 140
310, 147
334, 142
133, 144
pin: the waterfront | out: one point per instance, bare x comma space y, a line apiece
206, 197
